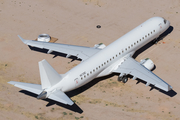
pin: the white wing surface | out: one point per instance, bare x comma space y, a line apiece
78, 51
34, 88
134, 68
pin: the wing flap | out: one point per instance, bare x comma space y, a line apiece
34, 88
78, 51
134, 68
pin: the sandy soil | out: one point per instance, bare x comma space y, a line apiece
74, 22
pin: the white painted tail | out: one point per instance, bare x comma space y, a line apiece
48, 74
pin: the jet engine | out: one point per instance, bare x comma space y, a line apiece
42, 95
148, 63
44, 38
99, 46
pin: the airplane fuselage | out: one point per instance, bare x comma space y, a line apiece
109, 58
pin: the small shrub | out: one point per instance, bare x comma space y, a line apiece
64, 113
36, 117
76, 118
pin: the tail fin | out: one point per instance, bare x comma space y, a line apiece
49, 76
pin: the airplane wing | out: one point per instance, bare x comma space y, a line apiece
58, 96
134, 68
78, 51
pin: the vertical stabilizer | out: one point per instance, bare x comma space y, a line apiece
49, 76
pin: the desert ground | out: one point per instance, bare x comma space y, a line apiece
74, 22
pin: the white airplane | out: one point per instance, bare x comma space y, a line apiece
98, 61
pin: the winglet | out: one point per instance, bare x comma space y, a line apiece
23, 40
12, 82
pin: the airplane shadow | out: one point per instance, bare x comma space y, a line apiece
87, 86
70, 94
170, 93
54, 53
74, 107
77, 91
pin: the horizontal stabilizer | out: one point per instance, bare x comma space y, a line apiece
49, 76
34, 88
60, 96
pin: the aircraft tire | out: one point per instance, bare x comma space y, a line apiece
125, 79
120, 79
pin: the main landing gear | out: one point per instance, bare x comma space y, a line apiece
155, 41
124, 79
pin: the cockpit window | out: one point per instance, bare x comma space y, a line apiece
165, 21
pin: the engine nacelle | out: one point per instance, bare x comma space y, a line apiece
99, 46
44, 38
148, 63
42, 95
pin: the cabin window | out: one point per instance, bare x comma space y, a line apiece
132, 45
110, 59
140, 39
104, 63
126, 49
113, 57
122, 51
88, 74
116, 55
148, 34
93, 70
151, 32
107, 61
119, 53
154, 30
81, 78
137, 41
84, 76
129, 47
99, 66
145, 35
